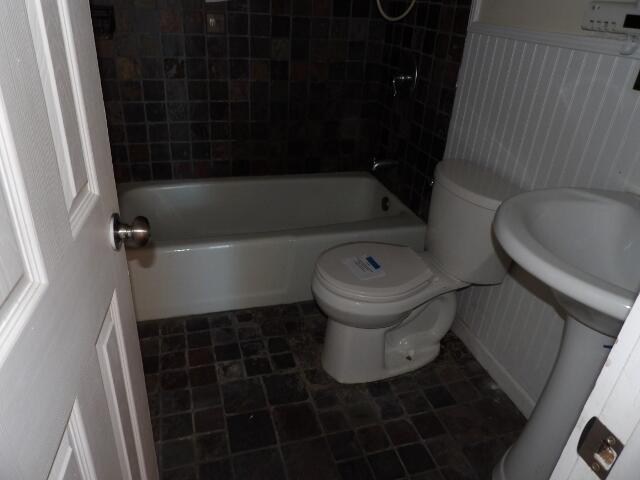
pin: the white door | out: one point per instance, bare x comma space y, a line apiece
72, 395
615, 401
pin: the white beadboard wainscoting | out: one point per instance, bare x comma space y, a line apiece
543, 110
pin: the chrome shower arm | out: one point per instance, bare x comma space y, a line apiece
379, 164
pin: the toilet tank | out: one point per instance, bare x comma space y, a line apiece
459, 236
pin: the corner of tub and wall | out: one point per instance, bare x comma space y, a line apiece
572, 130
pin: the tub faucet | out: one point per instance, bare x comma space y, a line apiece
378, 164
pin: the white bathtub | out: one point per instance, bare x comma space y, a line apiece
243, 242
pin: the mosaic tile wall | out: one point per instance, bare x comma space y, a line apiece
413, 127
278, 86
275, 86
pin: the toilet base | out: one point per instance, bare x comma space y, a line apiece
358, 355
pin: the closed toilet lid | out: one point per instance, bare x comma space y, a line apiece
373, 271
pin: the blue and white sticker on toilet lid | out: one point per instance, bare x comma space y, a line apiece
364, 267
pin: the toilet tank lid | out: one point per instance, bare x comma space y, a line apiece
474, 183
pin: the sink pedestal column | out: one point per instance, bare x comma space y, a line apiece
535, 453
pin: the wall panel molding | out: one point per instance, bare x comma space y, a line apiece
542, 110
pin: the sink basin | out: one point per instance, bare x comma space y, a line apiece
584, 244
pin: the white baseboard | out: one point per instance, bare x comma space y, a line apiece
503, 378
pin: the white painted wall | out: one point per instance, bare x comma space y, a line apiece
546, 15
543, 111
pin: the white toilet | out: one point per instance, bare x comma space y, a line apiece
388, 305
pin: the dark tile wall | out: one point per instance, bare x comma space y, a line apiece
279, 86
413, 128
276, 86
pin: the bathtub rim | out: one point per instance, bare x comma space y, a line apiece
125, 187
404, 218
401, 220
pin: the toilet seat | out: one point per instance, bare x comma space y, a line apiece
373, 272
349, 287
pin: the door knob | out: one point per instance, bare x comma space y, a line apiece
135, 235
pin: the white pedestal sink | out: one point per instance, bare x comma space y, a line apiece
584, 244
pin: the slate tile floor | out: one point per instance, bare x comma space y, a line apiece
241, 395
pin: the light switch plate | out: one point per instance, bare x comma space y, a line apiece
612, 17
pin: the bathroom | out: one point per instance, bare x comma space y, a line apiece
313, 92
319, 239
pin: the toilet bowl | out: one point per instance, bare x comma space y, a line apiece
389, 306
